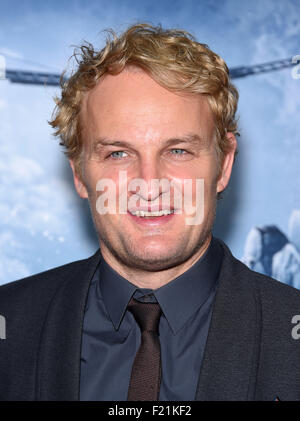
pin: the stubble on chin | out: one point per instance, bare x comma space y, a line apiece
135, 257
131, 255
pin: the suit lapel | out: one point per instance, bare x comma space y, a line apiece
230, 359
58, 370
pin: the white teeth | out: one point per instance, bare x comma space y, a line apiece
158, 213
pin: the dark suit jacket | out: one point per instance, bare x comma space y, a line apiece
250, 352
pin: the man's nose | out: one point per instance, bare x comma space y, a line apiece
151, 169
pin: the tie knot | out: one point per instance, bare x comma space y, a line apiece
147, 315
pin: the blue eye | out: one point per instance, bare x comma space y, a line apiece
181, 150
116, 152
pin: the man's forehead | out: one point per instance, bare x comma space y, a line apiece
131, 75
124, 99
136, 83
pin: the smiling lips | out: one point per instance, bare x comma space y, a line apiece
141, 213
152, 218
154, 210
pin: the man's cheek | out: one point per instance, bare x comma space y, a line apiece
194, 206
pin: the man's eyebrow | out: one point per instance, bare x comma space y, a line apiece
191, 139
110, 142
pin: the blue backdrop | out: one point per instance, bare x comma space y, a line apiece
42, 221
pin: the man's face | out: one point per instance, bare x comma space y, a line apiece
132, 124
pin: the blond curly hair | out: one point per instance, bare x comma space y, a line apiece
172, 57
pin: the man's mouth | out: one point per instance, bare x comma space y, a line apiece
152, 219
155, 214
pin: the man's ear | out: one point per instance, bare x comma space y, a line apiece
227, 164
78, 183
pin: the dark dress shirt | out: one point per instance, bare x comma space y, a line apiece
111, 336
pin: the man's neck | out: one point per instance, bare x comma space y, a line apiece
150, 279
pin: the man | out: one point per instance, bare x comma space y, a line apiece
162, 311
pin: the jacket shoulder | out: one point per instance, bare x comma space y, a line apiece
39, 286
271, 291
25, 307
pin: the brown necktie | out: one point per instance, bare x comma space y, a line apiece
146, 370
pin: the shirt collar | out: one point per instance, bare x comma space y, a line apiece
184, 295
116, 292
179, 299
